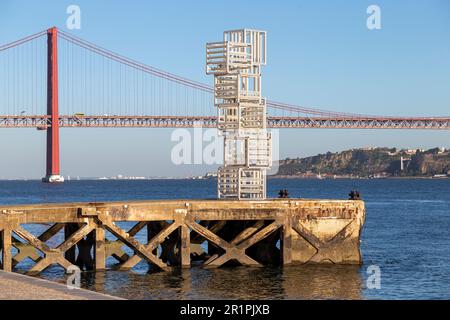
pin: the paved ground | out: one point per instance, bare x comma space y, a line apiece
14, 286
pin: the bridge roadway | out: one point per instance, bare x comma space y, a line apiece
344, 122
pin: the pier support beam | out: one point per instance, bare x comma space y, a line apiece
185, 247
286, 241
100, 249
52, 169
6, 245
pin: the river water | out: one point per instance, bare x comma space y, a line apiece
406, 236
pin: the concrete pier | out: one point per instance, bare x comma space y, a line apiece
254, 233
15, 286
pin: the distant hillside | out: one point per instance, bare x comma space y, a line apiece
370, 162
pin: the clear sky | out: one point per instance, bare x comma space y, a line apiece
320, 55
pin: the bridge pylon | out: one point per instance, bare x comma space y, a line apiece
236, 64
52, 154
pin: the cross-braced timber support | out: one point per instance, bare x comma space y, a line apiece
251, 233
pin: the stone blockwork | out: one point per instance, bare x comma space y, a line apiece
259, 232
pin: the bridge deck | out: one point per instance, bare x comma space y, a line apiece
93, 121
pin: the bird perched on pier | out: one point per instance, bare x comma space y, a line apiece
283, 194
354, 195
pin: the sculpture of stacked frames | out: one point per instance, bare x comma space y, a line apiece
236, 64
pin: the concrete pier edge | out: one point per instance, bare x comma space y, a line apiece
57, 289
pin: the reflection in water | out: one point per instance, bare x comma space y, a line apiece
292, 282
322, 282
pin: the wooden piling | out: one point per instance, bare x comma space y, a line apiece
100, 249
286, 241
185, 247
6, 250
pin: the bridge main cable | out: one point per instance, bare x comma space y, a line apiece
191, 83
22, 41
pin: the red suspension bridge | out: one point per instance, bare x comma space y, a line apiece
53, 79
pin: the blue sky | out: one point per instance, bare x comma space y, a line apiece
320, 55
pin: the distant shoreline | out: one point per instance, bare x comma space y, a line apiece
370, 163
358, 178
268, 177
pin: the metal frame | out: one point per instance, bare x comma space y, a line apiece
236, 65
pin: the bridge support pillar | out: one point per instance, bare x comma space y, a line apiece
52, 170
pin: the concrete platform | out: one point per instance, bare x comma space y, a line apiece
245, 232
14, 286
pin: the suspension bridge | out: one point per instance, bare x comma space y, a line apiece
53, 79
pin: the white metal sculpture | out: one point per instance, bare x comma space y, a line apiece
236, 65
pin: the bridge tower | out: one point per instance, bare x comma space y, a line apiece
236, 64
52, 154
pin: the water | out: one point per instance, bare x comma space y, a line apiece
406, 234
